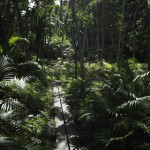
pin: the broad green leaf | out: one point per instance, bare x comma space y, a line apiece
14, 39
1, 49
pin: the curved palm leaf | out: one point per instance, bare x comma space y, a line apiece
11, 104
135, 107
91, 111
7, 71
15, 39
32, 71
107, 136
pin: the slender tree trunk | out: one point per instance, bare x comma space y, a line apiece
81, 49
134, 34
61, 9
119, 46
134, 21
103, 30
113, 44
123, 17
74, 27
148, 29
50, 29
121, 33
87, 47
97, 36
82, 65
62, 28
8, 21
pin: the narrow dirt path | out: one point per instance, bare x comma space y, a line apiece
64, 126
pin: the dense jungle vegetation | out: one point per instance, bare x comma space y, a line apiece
99, 49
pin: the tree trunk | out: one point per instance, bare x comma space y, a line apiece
148, 29
134, 21
74, 27
97, 36
121, 34
103, 30
123, 15
119, 46
8, 22
87, 47
82, 48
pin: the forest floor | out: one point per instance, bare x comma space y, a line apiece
64, 125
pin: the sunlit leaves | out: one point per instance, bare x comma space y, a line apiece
1, 49
15, 39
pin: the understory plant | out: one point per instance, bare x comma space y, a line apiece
111, 110
26, 105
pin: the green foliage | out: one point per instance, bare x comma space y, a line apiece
1, 49
85, 19
15, 39
7, 69
26, 114
113, 108
110, 106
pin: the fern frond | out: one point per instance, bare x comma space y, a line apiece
4, 115
11, 104
107, 136
7, 70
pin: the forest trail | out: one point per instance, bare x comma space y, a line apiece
64, 126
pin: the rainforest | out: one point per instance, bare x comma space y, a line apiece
74, 74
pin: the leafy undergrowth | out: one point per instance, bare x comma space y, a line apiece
26, 105
111, 106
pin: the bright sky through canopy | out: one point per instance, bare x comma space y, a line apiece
57, 2
32, 3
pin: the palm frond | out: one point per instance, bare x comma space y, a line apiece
15, 39
126, 72
104, 136
143, 78
91, 111
11, 104
28, 68
32, 71
144, 146
134, 107
5, 115
7, 70
107, 136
